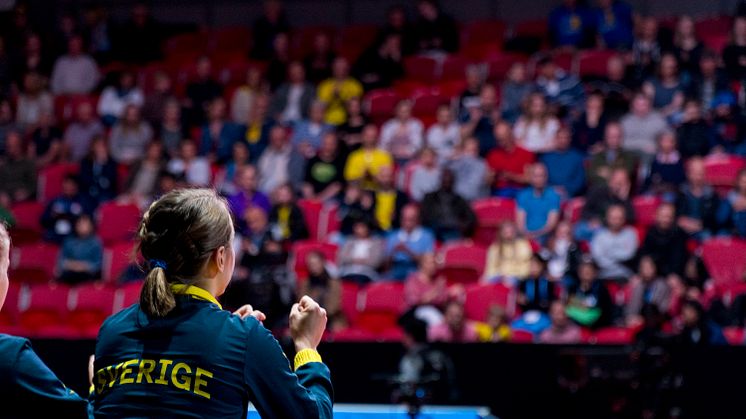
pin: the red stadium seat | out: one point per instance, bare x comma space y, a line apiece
500, 64
34, 263
716, 41
721, 171
302, 248
426, 104
311, 209
451, 88
46, 312
117, 222
734, 335
50, 180
28, 226
725, 259
65, 106
729, 292
117, 257
645, 208
92, 304
423, 69
491, 32
719, 25
490, 213
521, 336
565, 61
383, 302
350, 301
454, 68
353, 335
613, 336
537, 28
573, 209
127, 296
353, 40
302, 39
462, 262
594, 63
480, 297
380, 104
234, 38
10, 309
329, 222
185, 42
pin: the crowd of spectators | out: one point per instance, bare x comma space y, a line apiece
298, 127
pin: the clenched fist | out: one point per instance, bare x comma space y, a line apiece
307, 323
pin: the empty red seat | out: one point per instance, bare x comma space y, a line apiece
117, 257
521, 336
573, 209
499, 64
302, 248
613, 336
380, 104
191, 41
383, 303
490, 213
329, 222
47, 309
92, 304
483, 32
352, 334
594, 63
537, 28
27, 228
350, 300
352, 40
34, 263
454, 68
725, 259
480, 297
311, 209
426, 104
462, 262
422, 69
49, 185
734, 335
451, 88
117, 222
233, 38
722, 170
645, 208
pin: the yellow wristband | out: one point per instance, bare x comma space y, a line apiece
305, 356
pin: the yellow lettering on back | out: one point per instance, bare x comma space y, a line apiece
184, 385
144, 371
100, 380
127, 370
113, 373
199, 383
164, 366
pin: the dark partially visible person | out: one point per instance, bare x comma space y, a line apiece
266, 27
318, 62
61, 213
397, 24
381, 63
667, 169
434, 30
571, 24
611, 156
734, 54
292, 100
694, 134
588, 129
81, 256
218, 134
665, 242
138, 41
708, 80
155, 101
98, 174
697, 202
588, 301
46, 141
323, 286
697, 330
18, 173
732, 210
565, 166
448, 214
562, 330
613, 21
201, 92
286, 217
279, 61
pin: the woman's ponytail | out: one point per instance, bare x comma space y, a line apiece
156, 297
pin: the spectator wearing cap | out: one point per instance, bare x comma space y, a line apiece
292, 100
74, 73
565, 165
641, 126
571, 25
455, 328
665, 242
588, 301
612, 156
561, 330
480, 119
307, 133
537, 206
406, 245
509, 162
613, 21
447, 213
615, 245
337, 90
471, 174
364, 163
218, 134
561, 89
697, 203
18, 174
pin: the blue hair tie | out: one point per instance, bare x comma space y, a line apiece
157, 263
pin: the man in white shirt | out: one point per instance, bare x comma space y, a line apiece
444, 135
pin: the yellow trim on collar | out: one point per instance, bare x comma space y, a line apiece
196, 292
305, 356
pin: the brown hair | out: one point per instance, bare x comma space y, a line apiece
177, 236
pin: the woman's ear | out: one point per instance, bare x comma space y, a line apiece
221, 257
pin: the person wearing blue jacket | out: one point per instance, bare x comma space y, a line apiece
565, 165
29, 388
179, 354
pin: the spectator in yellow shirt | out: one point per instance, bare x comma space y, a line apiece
337, 90
364, 163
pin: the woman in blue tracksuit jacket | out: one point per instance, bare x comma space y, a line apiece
179, 354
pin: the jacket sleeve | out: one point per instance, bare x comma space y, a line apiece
276, 391
39, 390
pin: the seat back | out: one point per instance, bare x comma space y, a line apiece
480, 297
117, 222
383, 303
